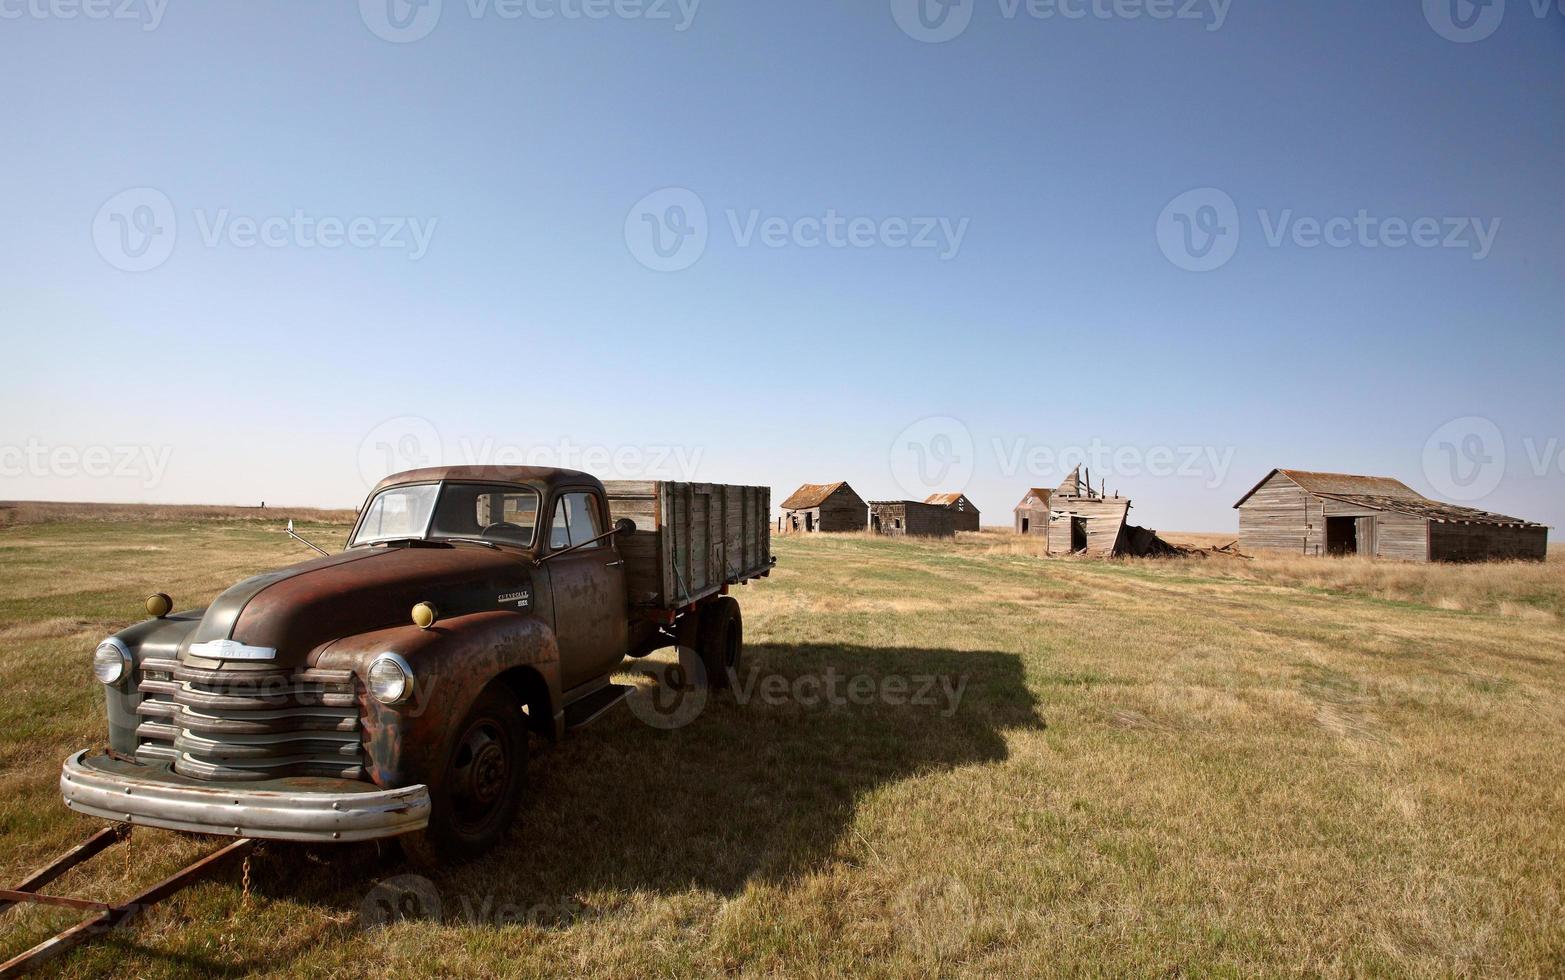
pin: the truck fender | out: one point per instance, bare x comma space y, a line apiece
452, 663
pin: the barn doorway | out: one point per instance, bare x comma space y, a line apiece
1026, 525
874, 523
1078, 534
809, 521
1342, 536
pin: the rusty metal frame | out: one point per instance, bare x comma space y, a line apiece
106, 916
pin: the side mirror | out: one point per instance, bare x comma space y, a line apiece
624, 526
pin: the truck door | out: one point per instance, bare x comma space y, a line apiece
591, 616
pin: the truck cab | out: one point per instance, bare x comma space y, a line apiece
390, 689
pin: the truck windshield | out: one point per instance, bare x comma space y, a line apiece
450, 511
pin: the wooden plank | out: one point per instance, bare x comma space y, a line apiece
700, 543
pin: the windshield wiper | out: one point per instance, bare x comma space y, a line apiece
486, 544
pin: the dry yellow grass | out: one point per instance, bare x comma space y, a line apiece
1155, 768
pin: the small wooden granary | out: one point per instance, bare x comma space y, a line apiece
823, 507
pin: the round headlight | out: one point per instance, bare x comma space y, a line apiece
111, 661
391, 679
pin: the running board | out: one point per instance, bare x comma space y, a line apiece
590, 708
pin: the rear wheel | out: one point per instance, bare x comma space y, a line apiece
721, 642
481, 786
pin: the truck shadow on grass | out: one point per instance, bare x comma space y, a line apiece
761, 785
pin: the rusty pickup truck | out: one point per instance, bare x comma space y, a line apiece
390, 689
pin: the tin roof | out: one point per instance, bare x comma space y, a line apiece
1432, 510
1042, 495
1332, 483
812, 495
945, 499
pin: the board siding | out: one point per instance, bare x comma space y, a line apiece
1105, 523
1281, 516
1481, 542
917, 519
1037, 514
843, 511
691, 539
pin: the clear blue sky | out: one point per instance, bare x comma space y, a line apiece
534, 313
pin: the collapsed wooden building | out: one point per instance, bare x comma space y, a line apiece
1085, 521
911, 518
1075, 519
1304, 512
964, 516
823, 507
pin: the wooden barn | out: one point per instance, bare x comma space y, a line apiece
964, 516
1338, 514
912, 518
1032, 514
823, 507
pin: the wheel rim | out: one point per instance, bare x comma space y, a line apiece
480, 772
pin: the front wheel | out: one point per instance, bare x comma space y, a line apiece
721, 642
481, 786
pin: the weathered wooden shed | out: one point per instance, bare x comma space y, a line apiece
823, 507
964, 516
1032, 514
1304, 512
910, 517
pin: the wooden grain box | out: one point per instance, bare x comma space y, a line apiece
691, 539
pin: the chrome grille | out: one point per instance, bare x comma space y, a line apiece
245, 725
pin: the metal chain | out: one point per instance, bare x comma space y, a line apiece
255, 851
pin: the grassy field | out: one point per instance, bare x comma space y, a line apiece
1188, 766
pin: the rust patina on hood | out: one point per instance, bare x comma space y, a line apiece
298, 608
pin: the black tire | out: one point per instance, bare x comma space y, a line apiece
481, 786
721, 643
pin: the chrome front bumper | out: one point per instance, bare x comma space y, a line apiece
322, 810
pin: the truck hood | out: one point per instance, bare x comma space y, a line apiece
296, 609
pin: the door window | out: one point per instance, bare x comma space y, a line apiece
576, 521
